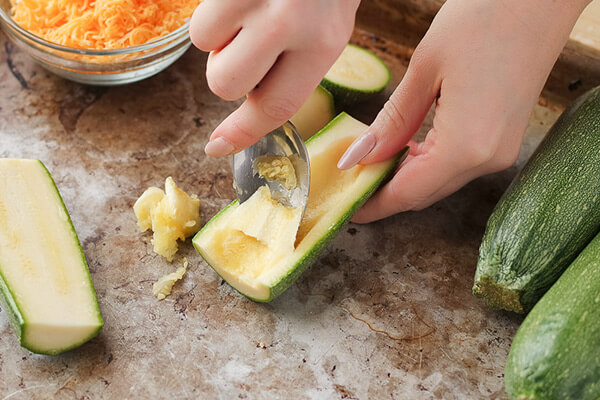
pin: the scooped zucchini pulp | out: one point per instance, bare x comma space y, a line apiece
45, 285
261, 247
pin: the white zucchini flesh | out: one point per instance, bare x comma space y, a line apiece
359, 70
45, 285
315, 113
261, 249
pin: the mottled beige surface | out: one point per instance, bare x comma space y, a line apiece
385, 312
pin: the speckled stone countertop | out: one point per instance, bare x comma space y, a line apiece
385, 312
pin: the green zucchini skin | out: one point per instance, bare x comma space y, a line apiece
548, 214
556, 352
345, 95
9, 300
332, 232
318, 246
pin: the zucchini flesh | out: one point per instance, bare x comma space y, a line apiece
258, 265
556, 352
357, 75
548, 214
45, 285
315, 113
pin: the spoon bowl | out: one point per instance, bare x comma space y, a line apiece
283, 141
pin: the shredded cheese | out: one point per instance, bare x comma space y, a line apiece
101, 24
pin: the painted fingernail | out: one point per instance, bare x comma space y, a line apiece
357, 151
219, 147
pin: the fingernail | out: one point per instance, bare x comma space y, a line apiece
357, 151
219, 147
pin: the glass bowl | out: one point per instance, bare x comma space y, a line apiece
99, 67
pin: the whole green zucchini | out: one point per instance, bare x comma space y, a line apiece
556, 352
547, 216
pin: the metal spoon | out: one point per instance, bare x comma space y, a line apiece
283, 141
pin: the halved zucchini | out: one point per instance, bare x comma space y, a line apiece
356, 76
45, 285
260, 248
315, 113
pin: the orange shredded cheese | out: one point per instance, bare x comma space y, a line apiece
101, 24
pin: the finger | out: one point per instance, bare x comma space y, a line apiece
417, 182
452, 155
504, 158
412, 147
286, 87
400, 118
215, 23
235, 70
451, 187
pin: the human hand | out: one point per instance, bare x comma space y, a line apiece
484, 63
273, 52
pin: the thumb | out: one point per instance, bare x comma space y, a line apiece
400, 118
